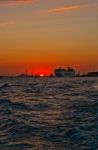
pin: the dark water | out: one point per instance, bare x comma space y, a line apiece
49, 114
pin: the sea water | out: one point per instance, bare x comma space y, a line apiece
49, 113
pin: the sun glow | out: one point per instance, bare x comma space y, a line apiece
41, 75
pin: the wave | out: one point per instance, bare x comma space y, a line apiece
52, 114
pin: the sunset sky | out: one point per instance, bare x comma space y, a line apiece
43, 34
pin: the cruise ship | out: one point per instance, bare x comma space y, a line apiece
61, 72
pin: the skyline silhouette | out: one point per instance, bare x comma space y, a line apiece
56, 72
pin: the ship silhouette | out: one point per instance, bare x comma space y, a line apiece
61, 72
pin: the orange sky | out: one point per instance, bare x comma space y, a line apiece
42, 35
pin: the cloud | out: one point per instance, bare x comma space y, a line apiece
11, 3
62, 9
23, 1
8, 23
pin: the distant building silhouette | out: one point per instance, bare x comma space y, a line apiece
24, 74
1, 77
61, 72
91, 74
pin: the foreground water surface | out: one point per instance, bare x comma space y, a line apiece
49, 114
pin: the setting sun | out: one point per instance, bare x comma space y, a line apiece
41, 75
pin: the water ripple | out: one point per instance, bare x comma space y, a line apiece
49, 113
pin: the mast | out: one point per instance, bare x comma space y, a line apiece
26, 73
